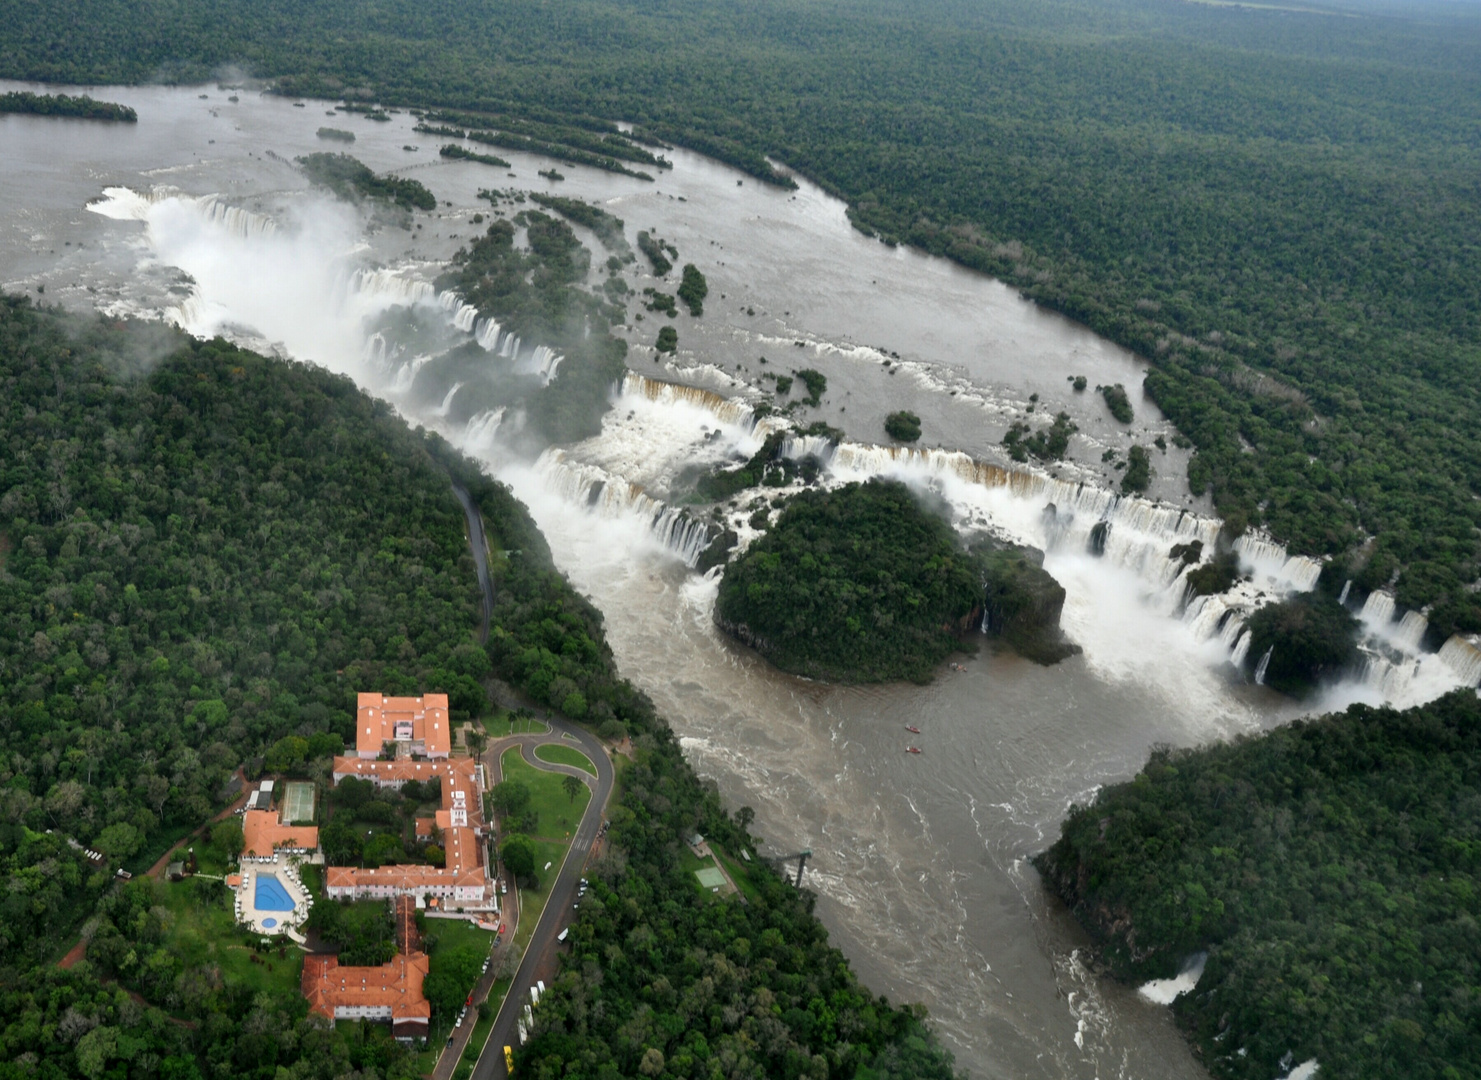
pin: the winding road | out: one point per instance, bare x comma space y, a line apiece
559, 905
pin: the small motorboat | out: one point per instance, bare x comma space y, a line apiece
912, 749
912, 729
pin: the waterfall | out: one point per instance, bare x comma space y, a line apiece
240, 223
1411, 631
1240, 651
1463, 657
487, 335
1378, 609
586, 485
1346, 588
1271, 561
1260, 668
483, 429
544, 361
510, 349
406, 374
447, 401
728, 410
391, 288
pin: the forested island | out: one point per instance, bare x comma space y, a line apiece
206, 555
350, 178
1331, 869
863, 584
81, 107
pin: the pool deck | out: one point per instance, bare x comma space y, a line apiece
285, 869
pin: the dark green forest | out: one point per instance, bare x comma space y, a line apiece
1332, 871
855, 585
203, 552
1278, 208
81, 107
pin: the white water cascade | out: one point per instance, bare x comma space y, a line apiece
614, 497
1463, 656
1262, 666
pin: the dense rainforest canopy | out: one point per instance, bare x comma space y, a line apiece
862, 583
1278, 207
1331, 869
204, 556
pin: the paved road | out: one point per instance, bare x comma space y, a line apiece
480, 547
562, 895
558, 907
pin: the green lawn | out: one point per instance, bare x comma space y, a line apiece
559, 754
505, 723
448, 934
559, 813
532, 901
203, 932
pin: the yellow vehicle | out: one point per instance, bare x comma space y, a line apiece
508, 1060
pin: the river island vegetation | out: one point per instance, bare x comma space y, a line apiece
80, 107
659, 253
330, 134
535, 292
207, 553
693, 289
863, 584
1138, 475
1117, 402
462, 153
1302, 642
1331, 869
350, 178
902, 426
1047, 445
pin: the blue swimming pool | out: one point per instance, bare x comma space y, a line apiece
270, 895
269, 923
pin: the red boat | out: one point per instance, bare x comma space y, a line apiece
912, 729
912, 750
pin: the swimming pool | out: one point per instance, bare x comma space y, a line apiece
270, 895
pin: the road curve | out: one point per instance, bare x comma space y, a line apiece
558, 907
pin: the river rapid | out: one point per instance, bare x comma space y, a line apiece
919, 862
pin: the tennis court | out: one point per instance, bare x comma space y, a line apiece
298, 802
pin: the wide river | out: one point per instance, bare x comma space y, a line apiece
920, 862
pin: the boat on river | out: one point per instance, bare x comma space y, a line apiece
912, 749
912, 729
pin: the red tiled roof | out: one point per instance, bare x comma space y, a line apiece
326, 985
262, 834
380, 719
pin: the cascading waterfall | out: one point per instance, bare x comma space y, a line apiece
1280, 569
1262, 666
1346, 588
1241, 650
238, 222
544, 361
728, 410
391, 288
1463, 657
1378, 609
487, 335
1410, 631
510, 349
483, 429
586, 485
447, 401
